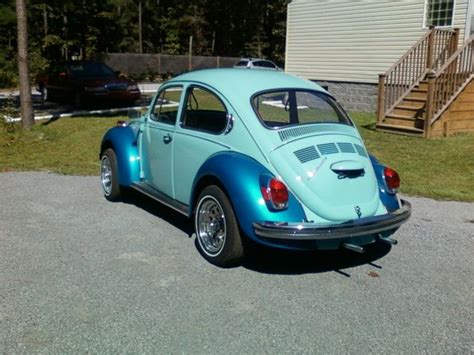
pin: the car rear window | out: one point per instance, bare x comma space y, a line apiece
295, 107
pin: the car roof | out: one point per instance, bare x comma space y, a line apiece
234, 81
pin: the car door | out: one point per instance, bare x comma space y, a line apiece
200, 134
57, 81
157, 140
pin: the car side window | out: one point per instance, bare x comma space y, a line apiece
204, 111
166, 106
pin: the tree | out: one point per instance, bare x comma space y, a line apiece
27, 116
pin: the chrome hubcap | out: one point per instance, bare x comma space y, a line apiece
106, 175
210, 225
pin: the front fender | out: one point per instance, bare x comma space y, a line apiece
239, 175
123, 140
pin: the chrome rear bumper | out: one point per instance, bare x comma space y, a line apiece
354, 228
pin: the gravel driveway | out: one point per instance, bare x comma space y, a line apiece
80, 274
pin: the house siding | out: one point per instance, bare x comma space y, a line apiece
354, 41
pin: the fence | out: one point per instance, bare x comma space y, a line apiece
137, 64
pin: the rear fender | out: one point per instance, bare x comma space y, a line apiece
123, 140
240, 177
389, 200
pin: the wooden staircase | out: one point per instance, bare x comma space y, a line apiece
418, 90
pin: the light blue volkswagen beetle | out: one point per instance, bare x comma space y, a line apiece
257, 155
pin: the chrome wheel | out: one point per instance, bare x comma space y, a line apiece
106, 175
44, 93
210, 225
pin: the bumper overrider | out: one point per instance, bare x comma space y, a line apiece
354, 228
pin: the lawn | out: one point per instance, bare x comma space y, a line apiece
438, 168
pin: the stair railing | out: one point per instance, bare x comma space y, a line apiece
430, 52
449, 81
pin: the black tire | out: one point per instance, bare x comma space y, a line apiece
77, 100
109, 176
217, 231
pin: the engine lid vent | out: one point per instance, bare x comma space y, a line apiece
328, 148
307, 154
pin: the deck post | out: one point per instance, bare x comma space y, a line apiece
429, 103
454, 42
430, 51
381, 99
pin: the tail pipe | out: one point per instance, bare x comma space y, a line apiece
387, 240
353, 247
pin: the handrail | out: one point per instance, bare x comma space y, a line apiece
429, 53
408, 52
451, 79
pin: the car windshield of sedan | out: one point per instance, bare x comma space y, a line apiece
295, 107
91, 70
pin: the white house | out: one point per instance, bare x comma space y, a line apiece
346, 44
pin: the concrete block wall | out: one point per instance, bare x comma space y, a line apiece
359, 97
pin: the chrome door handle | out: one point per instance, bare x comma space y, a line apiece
167, 138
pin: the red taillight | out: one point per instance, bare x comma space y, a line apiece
276, 192
391, 179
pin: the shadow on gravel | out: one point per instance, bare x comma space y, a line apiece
159, 210
267, 260
273, 261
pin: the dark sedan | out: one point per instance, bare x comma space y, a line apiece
86, 82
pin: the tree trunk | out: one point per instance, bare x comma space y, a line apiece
140, 38
27, 117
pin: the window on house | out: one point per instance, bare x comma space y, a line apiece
439, 13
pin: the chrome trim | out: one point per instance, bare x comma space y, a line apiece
106, 175
354, 228
146, 189
210, 225
230, 123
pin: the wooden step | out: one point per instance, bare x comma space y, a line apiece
415, 99
409, 131
419, 93
394, 119
415, 104
423, 85
400, 117
411, 111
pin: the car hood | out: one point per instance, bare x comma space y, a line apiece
330, 174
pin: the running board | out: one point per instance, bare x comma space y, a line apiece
153, 193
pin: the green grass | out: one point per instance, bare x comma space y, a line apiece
65, 146
438, 168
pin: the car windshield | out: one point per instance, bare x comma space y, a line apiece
242, 63
295, 107
91, 70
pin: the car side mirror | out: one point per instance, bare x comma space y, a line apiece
230, 123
